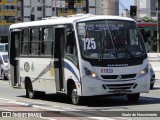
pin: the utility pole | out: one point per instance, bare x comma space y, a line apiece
87, 6
158, 23
55, 9
44, 9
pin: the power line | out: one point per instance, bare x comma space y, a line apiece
124, 8
121, 4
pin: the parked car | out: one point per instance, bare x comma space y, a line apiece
4, 65
153, 80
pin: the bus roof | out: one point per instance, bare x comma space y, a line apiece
66, 20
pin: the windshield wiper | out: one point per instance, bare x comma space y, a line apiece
101, 50
126, 50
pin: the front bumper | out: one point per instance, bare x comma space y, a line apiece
91, 87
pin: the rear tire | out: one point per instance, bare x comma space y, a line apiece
30, 93
133, 98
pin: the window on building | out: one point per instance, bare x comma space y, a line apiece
10, 0
19, 8
26, 16
39, 18
12, 7
39, 8
48, 6
64, 10
26, 6
48, 16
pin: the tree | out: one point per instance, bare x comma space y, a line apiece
148, 19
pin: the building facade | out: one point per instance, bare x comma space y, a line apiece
47, 8
145, 8
104, 7
13, 11
8, 16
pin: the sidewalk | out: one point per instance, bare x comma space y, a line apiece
157, 74
154, 59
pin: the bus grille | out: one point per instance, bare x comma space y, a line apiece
129, 76
119, 86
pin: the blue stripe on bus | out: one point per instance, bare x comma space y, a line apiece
67, 66
47, 68
44, 71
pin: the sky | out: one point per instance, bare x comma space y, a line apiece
126, 4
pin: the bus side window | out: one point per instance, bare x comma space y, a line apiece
35, 41
47, 45
71, 49
70, 42
25, 41
1, 48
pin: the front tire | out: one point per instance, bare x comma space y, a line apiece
133, 98
76, 99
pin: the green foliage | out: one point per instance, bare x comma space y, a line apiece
148, 19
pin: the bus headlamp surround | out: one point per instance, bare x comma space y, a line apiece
144, 71
90, 73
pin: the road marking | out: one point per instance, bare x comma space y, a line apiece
5, 109
54, 109
100, 118
105, 118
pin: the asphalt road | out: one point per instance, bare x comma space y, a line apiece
110, 108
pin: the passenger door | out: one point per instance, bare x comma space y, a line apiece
14, 54
59, 58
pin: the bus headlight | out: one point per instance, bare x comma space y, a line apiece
144, 71
90, 73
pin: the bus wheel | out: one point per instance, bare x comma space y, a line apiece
133, 97
74, 97
30, 93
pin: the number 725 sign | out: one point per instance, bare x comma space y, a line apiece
89, 43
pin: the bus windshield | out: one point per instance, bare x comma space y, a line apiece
110, 39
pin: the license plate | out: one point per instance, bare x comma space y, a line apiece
119, 92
